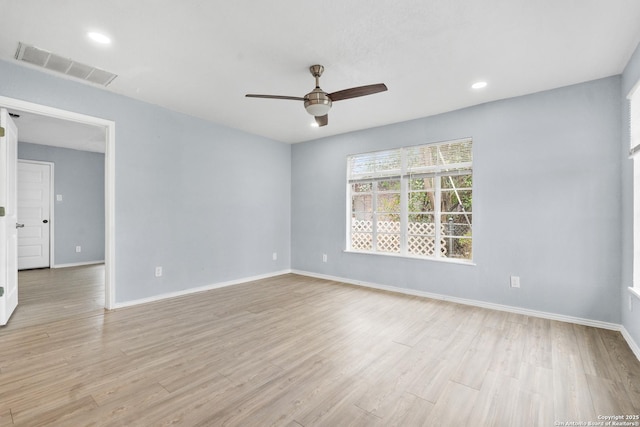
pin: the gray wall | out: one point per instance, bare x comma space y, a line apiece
630, 319
206, 202
79, 218
546, 203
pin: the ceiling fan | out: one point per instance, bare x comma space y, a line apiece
318, 102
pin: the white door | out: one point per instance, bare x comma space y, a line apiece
34, 199
8, 217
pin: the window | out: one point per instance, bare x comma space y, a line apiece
412, 201
634, 103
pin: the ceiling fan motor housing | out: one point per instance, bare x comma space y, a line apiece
317, 102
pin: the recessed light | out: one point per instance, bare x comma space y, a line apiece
99, 38
314, 125
479, 85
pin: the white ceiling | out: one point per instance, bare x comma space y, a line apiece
201, 57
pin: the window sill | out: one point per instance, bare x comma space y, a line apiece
444, 260
634, 291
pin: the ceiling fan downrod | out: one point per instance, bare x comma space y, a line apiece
316, 71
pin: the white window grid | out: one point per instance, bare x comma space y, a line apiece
412, 239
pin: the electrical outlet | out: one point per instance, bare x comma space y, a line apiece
158, 271
275, 256
78, 248
58, 197
515, 281
324, 257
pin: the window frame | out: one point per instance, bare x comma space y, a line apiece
634, 155
405, 175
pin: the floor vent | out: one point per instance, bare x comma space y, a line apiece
53, 62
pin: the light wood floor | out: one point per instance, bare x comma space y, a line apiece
296, 351
46, 295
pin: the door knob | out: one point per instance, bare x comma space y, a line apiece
19, 225
44, 221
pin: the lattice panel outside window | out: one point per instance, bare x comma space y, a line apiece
388, 243
388, 226
361, 226
428, 228
422, 245
421, 240
362, 241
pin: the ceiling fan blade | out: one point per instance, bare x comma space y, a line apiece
322, 120
355, 92
293, 98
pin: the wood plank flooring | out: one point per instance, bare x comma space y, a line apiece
47, 295
296, 351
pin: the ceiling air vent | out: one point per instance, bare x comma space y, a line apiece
53, 62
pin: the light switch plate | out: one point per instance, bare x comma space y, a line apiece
515, 281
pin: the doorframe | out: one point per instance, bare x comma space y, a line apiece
109, 127
51, 215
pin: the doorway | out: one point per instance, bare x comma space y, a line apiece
108, 127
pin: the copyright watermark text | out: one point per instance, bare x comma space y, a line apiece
604, 421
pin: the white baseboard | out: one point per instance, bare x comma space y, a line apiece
76, 264
475, 303
632, 344
198, 289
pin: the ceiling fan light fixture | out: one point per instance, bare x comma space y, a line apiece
317, 103
318, 110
